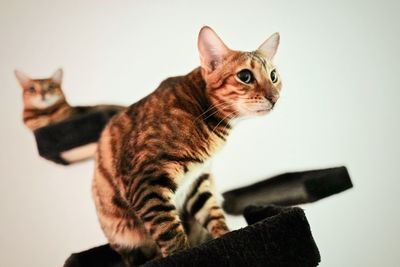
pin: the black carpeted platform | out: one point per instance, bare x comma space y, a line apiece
288, 189
82, 129
282, 237
101, 256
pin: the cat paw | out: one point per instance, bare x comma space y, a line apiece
177, 244
218, 231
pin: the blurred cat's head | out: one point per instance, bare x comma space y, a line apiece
239, 83
41, 93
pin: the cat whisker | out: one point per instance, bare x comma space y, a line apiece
230, 120
226, 106
223, 105
213, 130
209, 109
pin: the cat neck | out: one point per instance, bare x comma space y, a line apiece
203, 107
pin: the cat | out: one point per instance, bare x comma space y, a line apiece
153, 190
45, 102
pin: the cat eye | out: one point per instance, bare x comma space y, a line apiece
273, 76
51, 87
245, 76
31, 89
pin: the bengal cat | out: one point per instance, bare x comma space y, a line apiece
152, 187
45, 103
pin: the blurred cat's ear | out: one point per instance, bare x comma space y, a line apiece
22, 78
211, 48
57, 76
269, 47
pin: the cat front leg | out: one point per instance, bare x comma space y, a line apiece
201, 203
154, 206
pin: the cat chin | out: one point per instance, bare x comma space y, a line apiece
247, 112
262, 112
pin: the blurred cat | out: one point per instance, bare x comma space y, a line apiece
45, 102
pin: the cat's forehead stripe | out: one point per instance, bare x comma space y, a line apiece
255, 57
261, 60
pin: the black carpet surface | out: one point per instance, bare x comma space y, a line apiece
276, 237
288, 189
80, 130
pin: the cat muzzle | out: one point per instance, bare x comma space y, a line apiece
273, 99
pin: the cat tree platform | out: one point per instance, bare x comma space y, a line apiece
74, 139
275, 237
288, 189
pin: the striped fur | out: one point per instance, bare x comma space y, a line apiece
152, 186
45, 102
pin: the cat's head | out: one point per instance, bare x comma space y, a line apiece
41, 93
239, 83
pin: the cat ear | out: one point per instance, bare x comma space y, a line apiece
57, 76
22, 78
211, 49
269, 47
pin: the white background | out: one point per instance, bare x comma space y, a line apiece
340, 105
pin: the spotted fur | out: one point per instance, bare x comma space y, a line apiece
152, 187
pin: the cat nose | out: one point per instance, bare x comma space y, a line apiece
273, 98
